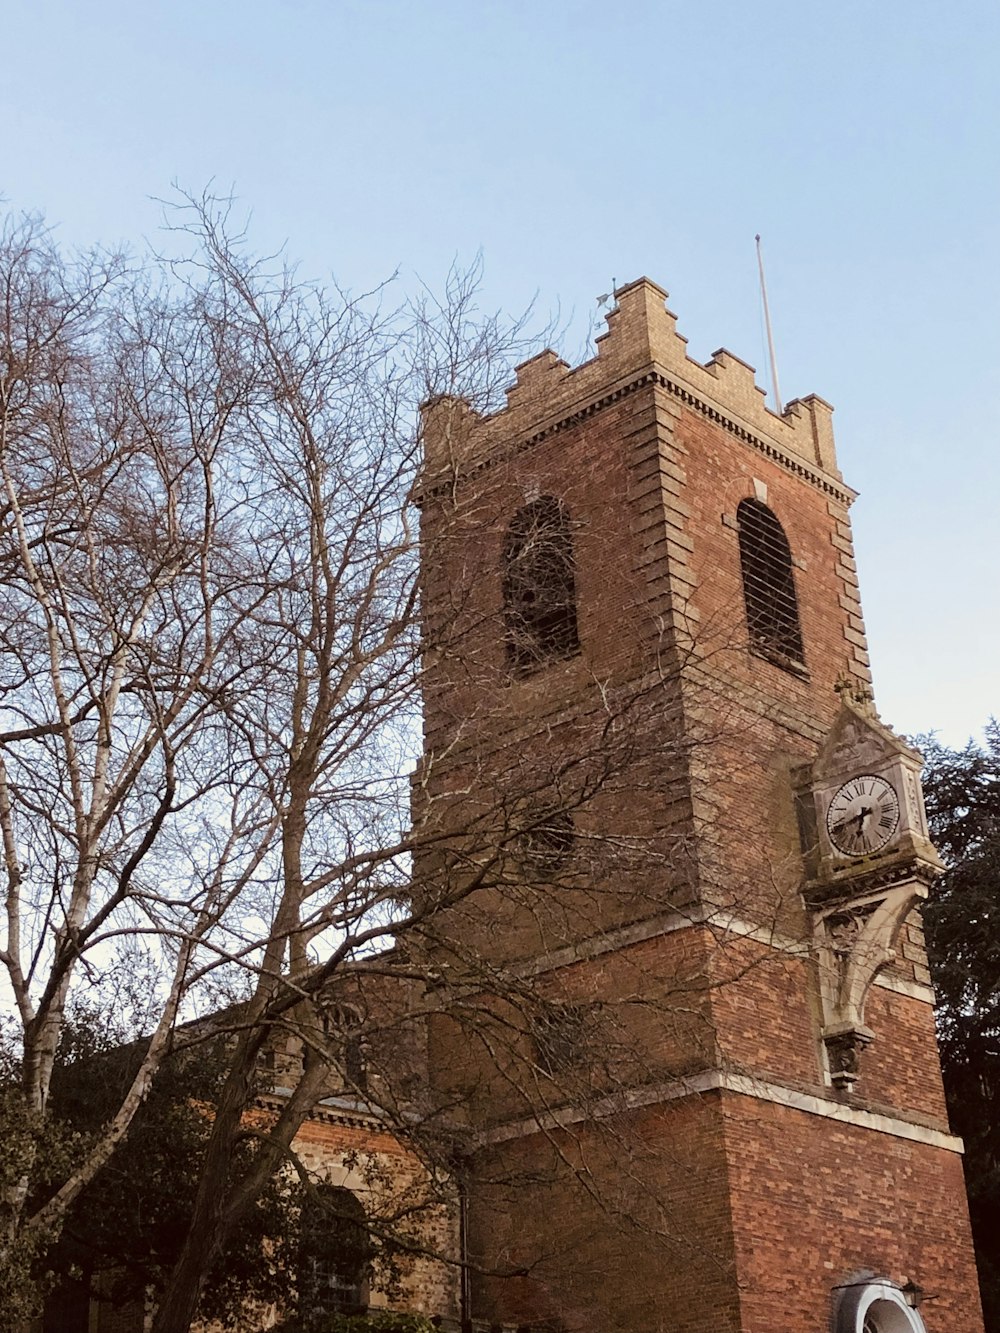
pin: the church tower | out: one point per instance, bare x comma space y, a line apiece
672, 867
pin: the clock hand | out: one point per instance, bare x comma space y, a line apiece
850, 819
859, 819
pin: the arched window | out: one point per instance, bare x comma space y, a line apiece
335, 1254
890, 1316
768, 584
355, 1067
559, 1032
539, 589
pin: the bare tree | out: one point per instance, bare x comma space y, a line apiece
208, 637
212, 652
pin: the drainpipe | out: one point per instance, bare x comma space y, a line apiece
465, 1296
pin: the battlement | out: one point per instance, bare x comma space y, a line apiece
641, 338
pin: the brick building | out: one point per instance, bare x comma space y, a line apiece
719, 923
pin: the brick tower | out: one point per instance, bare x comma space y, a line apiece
673, 867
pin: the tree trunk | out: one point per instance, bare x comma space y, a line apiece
205, 1237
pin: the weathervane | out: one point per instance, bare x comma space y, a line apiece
608, 298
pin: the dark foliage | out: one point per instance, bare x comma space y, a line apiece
962, 790
374, 1322
126, 1229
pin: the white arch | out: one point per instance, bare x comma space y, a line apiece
883, 1308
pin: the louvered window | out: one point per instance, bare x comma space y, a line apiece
769, 585
539, 588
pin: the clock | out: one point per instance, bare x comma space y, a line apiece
863, 815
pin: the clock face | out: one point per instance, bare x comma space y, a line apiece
863, 815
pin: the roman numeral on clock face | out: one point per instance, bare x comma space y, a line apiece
863, 815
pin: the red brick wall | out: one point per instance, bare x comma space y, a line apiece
726, 1213
815, 1201
623, 1226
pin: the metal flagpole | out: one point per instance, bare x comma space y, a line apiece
767, 324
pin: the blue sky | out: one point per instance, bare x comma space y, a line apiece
578, 142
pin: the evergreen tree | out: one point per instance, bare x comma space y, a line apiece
962, 791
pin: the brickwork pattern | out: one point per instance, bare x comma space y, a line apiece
812, 1208
642, 1244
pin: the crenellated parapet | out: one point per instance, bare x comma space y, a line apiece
641, 342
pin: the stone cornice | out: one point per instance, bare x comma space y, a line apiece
695, 916
862, 881
913, 990
701, 917
474, 466
786, 459
744, 1085
330, 1111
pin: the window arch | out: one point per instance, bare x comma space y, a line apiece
335, 1254
768, 584
539, 587
877, 1306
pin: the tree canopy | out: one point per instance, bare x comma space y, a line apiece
962, 918
210, 646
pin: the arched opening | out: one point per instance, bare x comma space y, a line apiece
335, 1254
546, 843
884, 1316
876, 1306
559, 1031
768, 584
539, 588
